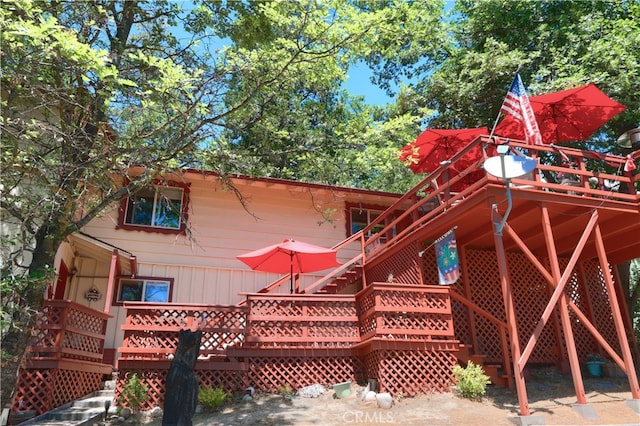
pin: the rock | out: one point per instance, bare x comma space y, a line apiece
384, 400
370, 397
126, 412
155, 412
312, 391
250, 391
247, 397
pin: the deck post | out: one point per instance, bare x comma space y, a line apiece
574, 363
617, 317
512, 325
111, 281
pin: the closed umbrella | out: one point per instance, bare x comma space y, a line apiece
565, 116
290, 256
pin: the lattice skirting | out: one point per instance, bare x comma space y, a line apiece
411, 373
45, 389
268, 374
155, 380
265, 374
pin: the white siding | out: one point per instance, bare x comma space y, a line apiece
204, 267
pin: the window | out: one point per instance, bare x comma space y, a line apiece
146, 290
361, 217
157, 208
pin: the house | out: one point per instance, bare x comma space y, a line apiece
163, 259
537, 283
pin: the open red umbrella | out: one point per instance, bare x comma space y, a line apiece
433, 146
290, 256
565, 116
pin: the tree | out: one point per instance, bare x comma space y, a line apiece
100, 98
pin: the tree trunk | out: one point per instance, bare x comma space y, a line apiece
182, 383
16, 340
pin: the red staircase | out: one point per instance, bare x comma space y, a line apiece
343, 281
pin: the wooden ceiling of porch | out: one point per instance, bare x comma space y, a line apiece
619, 222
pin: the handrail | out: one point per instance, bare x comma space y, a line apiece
69, 330
442, 192
445, 199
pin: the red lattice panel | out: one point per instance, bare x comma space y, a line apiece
430, 265
531, 295
484, 279
602, 316
267, 374
155, 381
312, 321
85, 321
33, 390
404, 266
411, 373
45, 389
576, 292
68, 330
158, 327
405, 312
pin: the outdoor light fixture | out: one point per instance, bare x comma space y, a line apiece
630, 139
507, 167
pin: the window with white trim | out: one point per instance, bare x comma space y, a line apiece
361, 217
145, 290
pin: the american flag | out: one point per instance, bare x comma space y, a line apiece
516, 103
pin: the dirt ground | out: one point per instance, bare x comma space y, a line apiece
551, 398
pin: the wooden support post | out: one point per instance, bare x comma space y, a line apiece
561, 280
510, 314
111, 282
617, 317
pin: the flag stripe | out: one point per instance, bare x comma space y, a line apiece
516, 103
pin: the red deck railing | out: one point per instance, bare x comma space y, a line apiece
299, 339
151, 331
68, 330
435, 188
64, 360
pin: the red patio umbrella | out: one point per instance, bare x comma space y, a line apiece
565, 116
433, 146
290, 256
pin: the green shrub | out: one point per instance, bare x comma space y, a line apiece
472, 382
134, 393
285, 390
212, 398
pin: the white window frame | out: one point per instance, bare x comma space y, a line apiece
147, 282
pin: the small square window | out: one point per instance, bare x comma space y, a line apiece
145, 290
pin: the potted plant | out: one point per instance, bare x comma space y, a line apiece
594, 365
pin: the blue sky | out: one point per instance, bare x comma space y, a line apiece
359, 83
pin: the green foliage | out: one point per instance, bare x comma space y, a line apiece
213, 398
286, 390
634, 289
134, 393
471, 380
